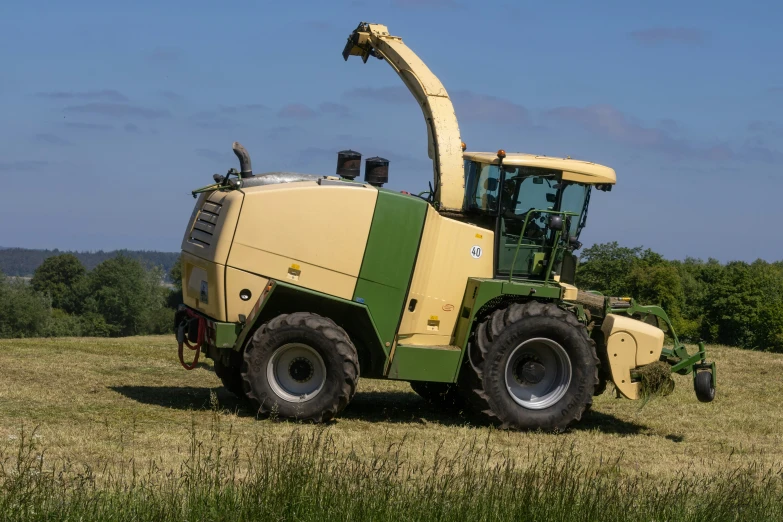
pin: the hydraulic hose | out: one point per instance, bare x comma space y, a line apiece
202, 330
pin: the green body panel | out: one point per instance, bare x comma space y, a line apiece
480, 291
425, 363
354, 318
389, 259
226, 334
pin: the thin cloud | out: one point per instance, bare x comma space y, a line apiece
757, 149
119, 110
89, 126
609, 121
397, 94
481, 108
775, 90
661, 35
336, 109
297, 111
132, 128
238, 109
283, 132
109, 95
765, 127
211, 120
470, 106
215, 156
171, 96
51, 139
22, 166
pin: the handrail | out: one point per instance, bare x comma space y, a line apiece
554, 243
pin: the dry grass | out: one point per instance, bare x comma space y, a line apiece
99, 401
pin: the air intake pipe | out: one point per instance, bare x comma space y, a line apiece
376, 171
349, 162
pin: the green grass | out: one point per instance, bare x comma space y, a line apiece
115, 430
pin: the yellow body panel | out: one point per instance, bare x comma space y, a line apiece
203, 278
294, 271
570, 292
446, 260
630, 344
236, 281
210, 229
306, 234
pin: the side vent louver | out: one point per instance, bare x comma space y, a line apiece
204, 226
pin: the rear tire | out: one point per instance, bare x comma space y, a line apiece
439, 394
300, 366
231, 377
540, 369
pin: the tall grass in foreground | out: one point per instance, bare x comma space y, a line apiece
308, 477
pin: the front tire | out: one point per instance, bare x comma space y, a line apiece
540, 368
300, 366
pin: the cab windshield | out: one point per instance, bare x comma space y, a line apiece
516, 201
525, 189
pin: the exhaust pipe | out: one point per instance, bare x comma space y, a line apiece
245, 168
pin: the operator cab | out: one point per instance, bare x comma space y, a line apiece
537, 207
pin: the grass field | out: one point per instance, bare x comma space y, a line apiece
115, 411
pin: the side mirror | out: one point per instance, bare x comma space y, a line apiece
551, 198
555, 222
574, 243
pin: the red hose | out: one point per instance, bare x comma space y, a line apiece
202, 328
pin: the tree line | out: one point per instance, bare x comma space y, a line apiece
734, 303
22, 262
119, 297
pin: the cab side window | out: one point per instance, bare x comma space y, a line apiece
485, 182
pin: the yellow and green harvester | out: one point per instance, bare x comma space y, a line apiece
296, 284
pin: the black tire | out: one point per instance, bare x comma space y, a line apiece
506, 330
702, 385
439, 394
331, 353
231, 377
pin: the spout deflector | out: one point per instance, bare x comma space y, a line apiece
444, 141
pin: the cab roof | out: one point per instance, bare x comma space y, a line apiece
573, 170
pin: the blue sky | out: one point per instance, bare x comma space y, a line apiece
111, 112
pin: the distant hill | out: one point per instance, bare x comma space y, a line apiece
22, 262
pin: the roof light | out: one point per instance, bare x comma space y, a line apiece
501, 154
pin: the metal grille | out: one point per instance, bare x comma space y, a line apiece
204, 225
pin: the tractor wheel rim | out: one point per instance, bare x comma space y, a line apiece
296, 372
538, 373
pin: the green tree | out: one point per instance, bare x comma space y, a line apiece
125, 294
768, 331
59, 277
175, 274
174, 297
23, 311
732, 305
605, 268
